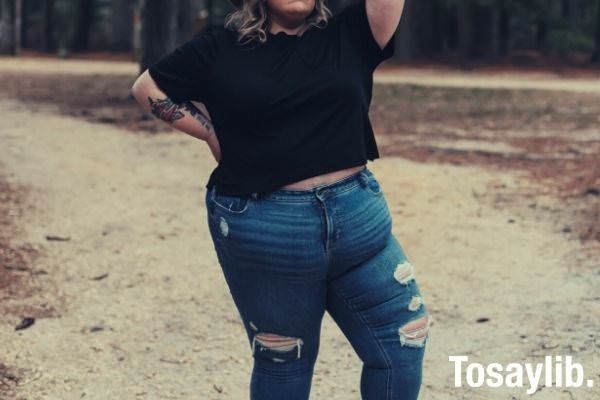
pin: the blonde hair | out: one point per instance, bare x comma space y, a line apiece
251, 20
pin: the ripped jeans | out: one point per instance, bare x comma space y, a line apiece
289, 255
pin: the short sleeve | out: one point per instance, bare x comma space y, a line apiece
184, 73
356, 26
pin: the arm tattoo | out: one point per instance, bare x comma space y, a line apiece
165, 109
204, 120
170, 112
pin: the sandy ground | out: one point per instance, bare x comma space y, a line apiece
134, 306
587, 81
490, 80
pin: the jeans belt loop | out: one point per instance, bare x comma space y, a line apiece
363, 178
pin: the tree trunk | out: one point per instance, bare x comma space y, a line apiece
24, 23
159, 30
482, 34
185, 21
464, 32
437, 28
404, 46
596, 55
495, 52
48, 42
541, 33
122, 24
7, 27
84, 18
17, 26
423, 29
503, 29
570, 12
211, 13
567, 9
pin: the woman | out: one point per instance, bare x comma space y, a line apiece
300, 225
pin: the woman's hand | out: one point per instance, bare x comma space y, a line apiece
214, 146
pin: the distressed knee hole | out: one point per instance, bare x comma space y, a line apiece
404, 272
282, 348
277, 342
414, 332
415, 303
223, 227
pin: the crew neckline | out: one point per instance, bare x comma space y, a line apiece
285, 35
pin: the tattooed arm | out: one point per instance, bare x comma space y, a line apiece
185, 116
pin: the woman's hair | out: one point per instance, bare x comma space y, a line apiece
252, 22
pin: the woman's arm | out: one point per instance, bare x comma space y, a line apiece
384, 17
184, 116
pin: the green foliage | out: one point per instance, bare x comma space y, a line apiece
538, 24
565, 41
503, 25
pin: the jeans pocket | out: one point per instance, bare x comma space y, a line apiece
371, 184
229, 204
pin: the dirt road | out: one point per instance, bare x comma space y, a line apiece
132, 304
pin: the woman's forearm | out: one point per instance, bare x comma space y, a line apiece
184, 117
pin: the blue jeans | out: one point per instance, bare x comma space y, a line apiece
289, 255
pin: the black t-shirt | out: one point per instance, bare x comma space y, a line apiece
285, 110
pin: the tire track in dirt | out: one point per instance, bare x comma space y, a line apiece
20, 303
